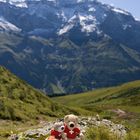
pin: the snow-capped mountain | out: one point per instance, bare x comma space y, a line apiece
66, 46
58, 14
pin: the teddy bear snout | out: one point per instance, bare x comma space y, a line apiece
71, 124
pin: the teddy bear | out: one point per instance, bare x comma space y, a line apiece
57, 132
72, 130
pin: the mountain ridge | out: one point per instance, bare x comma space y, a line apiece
70, 48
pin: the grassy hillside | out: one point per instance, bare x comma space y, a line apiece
22, 107
20, 101
121, 103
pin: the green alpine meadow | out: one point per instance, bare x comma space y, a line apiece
23, 107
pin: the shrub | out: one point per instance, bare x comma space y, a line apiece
102, 133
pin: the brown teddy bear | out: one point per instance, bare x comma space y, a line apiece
71, 128
57, 133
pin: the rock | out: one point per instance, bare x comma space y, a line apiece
84, 122
117, 129
98, 117
13, 137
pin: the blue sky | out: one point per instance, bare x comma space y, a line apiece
133, 6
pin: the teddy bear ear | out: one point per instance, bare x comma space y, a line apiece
66, 117
77, 118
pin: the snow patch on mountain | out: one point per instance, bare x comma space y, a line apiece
87, 18
22, 5
104, 15
125, 26
79, 1
88, 24
67, 27
118, 10
92, 9
7, 26
17, 3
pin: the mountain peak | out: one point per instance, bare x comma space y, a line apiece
88, 24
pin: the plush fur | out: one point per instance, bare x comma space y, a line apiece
72, 129
57, 133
